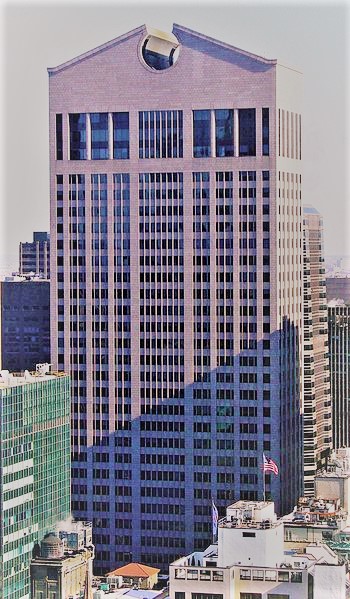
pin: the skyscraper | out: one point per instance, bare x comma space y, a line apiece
24, 323
317, 399
34, 256
176, 261
34, 467
339, 362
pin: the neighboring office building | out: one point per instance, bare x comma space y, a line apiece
24, 323
338, 288
34, 467
34, 256
251, 561
176, 229
317, 399
64, 567
339, 361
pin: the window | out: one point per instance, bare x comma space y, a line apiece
206, 596
179, 595
277, 596
247, 137
245, 574
258, 574
224, 133
218, 575
59, 137
201, 133
204, 575
265, 132
270, 575
120, 135
296, 577
160, 134
250, 595
180, 573
99, 135
77, 136
283, 576
192, 574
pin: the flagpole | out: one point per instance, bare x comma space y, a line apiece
264, 483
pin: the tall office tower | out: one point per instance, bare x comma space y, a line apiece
34, 468
339, 362
317, 399
24, 323
176, 232
34, 256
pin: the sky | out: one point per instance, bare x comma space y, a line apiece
312, 37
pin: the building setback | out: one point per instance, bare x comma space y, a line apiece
24, 323
317, 400
176, 293
34, 256
339, 361
34, 467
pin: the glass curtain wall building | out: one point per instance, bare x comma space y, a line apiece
35, 470
176, 298
339, 362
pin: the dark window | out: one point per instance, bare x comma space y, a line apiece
121, 135
99, 135
77, 136
59, 137
224, 132
201, 133
265, 132
247, 137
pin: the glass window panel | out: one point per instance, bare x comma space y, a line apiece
224, 132
99, 135
201, 133
265, 132
247, 135
77, 136
121, 135
59, 137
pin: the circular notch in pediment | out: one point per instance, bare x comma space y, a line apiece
159, 50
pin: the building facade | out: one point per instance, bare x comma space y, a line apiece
251, 561
24, 323
176, 291
63, 569
34, 256
34, 466
317, 399
338, 288
339, 361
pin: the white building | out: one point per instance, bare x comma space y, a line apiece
249, 561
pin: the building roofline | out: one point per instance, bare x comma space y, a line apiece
97, 50
143, 28
267, 61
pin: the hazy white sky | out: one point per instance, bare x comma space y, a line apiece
311, 37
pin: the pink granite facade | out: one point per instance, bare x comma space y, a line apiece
176, 287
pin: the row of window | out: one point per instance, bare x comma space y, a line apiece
103, 135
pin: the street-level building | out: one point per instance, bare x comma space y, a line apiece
176, 284
34, 468
63, 567
250, 561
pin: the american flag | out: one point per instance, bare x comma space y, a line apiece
269, 465
215, 517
